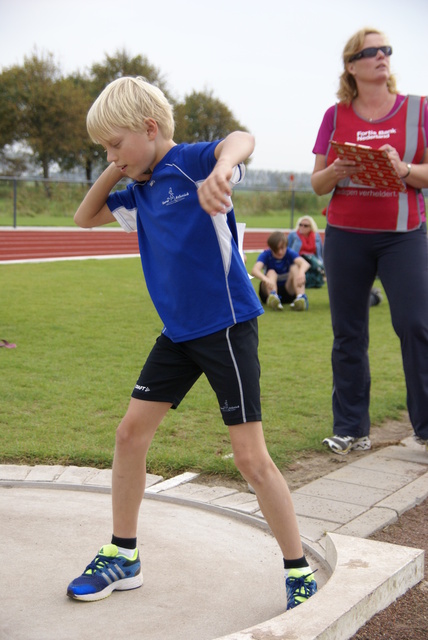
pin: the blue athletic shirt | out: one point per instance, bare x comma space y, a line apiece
282, 267
194, 273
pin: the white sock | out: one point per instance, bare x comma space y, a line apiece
128, 553
304, 570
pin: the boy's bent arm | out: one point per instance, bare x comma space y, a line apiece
215, 191
257, 272
235, 148
93, 211
302, 264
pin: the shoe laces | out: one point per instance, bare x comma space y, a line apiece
98, 564
298, 584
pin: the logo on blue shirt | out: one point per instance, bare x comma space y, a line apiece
172, 199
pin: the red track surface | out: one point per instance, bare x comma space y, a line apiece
25, 244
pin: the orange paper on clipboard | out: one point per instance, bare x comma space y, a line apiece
373, 168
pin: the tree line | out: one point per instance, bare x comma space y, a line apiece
43, 113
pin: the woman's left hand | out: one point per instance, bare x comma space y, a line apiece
396, 161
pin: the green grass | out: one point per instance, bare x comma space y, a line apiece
53, 204
83, 331
40, 204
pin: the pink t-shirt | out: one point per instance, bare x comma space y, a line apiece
327, 126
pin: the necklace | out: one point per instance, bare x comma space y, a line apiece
375, 114
373, 117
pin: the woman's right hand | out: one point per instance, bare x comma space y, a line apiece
343, 168
324, 179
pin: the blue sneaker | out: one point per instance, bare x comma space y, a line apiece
301, 303
107, 572
299, 586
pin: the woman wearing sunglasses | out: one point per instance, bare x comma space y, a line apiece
374, 231
306, 241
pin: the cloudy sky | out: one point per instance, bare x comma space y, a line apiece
275, 63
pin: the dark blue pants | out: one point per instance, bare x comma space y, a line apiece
352, 261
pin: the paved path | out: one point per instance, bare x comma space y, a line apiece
211, 567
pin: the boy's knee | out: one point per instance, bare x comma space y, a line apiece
128, 432
123, 433
254, 468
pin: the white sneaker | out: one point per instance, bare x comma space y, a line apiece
419, 440
342, 445
301, 303
274, 301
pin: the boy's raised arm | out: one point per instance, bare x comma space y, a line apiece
215, 191
93, 211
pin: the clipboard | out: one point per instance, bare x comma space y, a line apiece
373, 168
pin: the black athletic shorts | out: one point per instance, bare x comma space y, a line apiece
228, 358
286, 297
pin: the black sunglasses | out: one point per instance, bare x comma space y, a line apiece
371, 52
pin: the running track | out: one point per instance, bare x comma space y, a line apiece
53, 244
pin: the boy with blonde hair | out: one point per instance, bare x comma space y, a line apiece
210, 330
